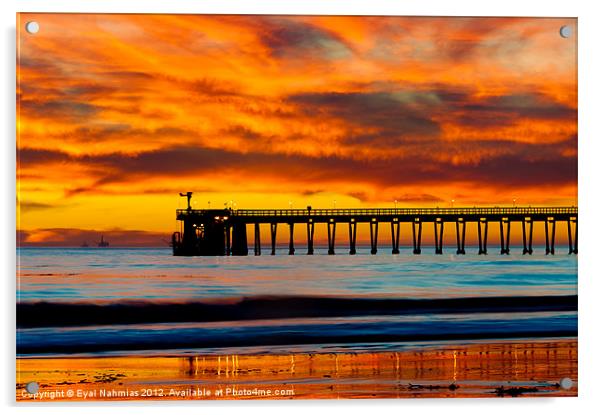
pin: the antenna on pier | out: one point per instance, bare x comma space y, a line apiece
188, 196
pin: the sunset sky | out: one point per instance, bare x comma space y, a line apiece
117, 114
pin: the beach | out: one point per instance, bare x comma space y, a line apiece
487, 369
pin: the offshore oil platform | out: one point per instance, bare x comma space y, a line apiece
214, 232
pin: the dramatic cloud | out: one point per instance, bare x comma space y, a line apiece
393, 114
519, 165
287, 38
120, 113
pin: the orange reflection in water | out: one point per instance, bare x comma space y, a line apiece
502, 369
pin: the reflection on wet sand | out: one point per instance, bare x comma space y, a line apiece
506, 369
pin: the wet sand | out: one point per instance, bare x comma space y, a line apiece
492, 369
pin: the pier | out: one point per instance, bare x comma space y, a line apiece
214, 232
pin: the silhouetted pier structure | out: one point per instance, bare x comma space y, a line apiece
224, 232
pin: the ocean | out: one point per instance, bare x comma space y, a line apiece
112, 301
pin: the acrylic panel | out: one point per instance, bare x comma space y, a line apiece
295, 207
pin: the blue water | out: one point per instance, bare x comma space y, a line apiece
123, 276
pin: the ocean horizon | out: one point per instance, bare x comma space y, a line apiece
144, 300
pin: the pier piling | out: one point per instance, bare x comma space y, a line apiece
273, 229
310, 237
505, 236
332, 227
395, 226
550, 222
373, 236
352, 236
527, 236
228, 229
572, 242
482, 226
416, 235
460, 236
291, 240
438, 236
257, 245
239, 240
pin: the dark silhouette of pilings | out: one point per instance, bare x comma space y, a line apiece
395, 226
239, 240
416, 236
527, 236
291, 239
352, 236
373, 236
482, 227
273, 229
176, 239
438, 224
572, 241
460, 236
505, 236
227, 229
257, 245
332, 227
189, 238
550, 235
310, 237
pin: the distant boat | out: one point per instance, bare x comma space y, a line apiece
84, 245
103, 243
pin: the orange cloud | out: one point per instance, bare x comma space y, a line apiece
119, 111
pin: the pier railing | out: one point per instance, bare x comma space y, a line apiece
392, 211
